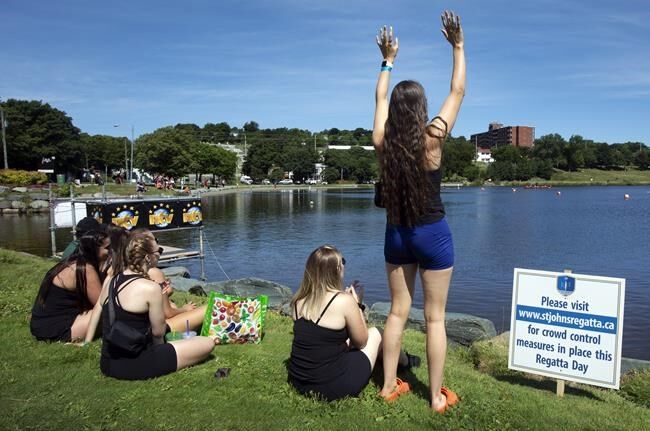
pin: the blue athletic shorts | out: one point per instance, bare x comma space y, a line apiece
428, 245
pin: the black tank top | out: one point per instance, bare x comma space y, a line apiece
53, 318
435, 209
139, 321
316, 351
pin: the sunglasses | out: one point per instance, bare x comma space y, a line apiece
343, 261
160, 250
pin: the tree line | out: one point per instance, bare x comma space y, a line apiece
37, 130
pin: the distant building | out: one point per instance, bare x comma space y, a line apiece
347, 147
484, 155
498, 135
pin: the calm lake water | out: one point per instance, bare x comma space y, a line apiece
591, 230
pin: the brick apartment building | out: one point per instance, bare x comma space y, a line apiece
498, 135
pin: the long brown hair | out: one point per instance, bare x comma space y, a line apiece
322, 274
85, 253
406, 190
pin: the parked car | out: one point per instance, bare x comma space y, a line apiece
285, 181
266, 182
245, 179
311, 181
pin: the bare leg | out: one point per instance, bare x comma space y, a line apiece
178, 323
192, 350
401, 281
79, 326
373, 346
436, 287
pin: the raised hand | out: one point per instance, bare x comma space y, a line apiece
388, 43
452, 30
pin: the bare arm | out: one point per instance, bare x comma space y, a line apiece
453, 32
388, 45
93, 284
154, 298
355, 321
96, 313
157, 276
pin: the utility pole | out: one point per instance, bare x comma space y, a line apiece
132, 143
4, 142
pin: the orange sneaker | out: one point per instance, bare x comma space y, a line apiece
401, 388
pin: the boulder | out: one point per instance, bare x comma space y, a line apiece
19, 189
39, 204
176, 271
39, 196
278, 294
19, 205
184, 284
3, 189
5, 204
461, 328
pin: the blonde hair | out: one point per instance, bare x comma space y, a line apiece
322, 274
141, 244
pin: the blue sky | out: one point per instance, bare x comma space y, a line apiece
569, 67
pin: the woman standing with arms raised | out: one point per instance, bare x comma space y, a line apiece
409, 148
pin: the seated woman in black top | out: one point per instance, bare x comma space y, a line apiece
333, 351
139, 304
69, 291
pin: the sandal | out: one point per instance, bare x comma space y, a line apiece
413, 362
401, 388
451, 399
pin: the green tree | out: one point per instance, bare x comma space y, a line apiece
551, 148
457, 155
216, 133
166, 151
104, 152
331, 175
299, 159
36, 130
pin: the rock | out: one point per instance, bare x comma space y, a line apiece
10, 211
39, 204
278, 294
5, 204
184, 284
461, 328
465, 328
19, 205
39, 196
19, 189
176, 271
3, 189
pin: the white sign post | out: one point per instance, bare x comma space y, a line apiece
567, 326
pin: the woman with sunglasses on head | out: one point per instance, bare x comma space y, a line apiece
333, 351
138, 303
409, 148
69, 291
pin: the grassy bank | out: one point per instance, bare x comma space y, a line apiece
590, 177
54, 386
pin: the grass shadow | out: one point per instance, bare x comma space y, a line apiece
544, 385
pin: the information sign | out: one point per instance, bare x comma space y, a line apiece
567, 326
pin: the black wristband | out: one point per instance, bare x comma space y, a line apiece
362, 307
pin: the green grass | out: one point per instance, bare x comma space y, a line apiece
56, 386
586, 177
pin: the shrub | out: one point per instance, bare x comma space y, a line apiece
21, 178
